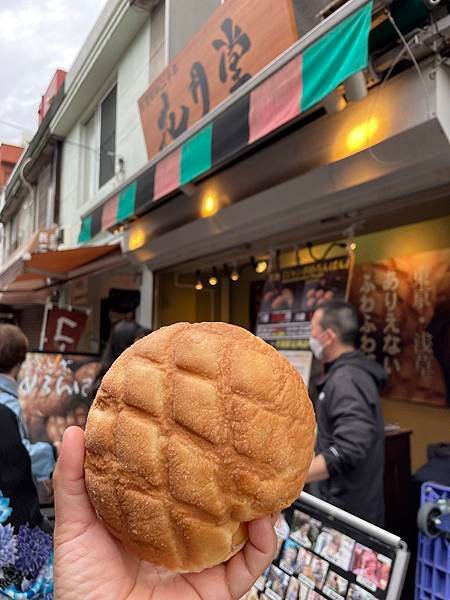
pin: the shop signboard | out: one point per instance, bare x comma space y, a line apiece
405, 310
63, 329
289, 299
240, 38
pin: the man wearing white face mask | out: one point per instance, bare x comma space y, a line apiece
348, 468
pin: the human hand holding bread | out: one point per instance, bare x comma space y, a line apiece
197, 433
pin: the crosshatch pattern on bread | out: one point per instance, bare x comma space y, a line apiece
196, 430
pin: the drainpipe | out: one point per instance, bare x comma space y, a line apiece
31, 190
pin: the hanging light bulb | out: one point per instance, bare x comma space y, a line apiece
213, 279
261, 266
234, 275
198, 281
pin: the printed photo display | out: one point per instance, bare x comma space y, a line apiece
357, 593
303, 591
315, 562
293, 589
372, 570
277, 583
288, 557
335, 586
311, 569
304, 529
315, 596
335, 547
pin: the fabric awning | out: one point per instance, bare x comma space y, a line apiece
31, 270
299, 80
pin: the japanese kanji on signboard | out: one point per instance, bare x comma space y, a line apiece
405, 323
240, 38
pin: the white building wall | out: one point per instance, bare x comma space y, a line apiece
132, 82
132, 77
71, 197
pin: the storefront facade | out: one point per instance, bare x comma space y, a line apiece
375, 174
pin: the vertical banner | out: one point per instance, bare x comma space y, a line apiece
63, 329
290, 297
405, 312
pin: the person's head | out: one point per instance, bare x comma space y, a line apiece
122, 336
334, 329
13, 349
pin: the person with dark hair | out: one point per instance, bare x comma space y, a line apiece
13, 349
122, 336
348, 468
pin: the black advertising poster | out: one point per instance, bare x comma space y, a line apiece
289, 299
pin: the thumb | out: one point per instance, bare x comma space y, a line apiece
73, 511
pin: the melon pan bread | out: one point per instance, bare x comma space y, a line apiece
196, 430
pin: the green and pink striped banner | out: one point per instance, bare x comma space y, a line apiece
292, 90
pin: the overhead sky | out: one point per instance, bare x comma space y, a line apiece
36, 38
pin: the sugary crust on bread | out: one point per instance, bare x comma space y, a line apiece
195, 430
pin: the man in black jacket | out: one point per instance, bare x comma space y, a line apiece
347, 470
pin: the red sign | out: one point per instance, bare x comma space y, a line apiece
63, 330
240, 38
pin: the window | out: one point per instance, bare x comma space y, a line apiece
99, 142
90, 158
107, 138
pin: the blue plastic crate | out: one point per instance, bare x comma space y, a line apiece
433, 554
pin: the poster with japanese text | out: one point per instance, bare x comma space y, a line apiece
240, 38
405, 310
54, 393
291, 296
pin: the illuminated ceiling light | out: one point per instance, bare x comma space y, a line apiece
234, 275
361, 135
356, 87
334, 102
136, 239
213, 279
198, 281
261, 266
209, 206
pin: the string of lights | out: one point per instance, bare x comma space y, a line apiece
213, 276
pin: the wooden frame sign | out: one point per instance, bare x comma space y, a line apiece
240, 38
